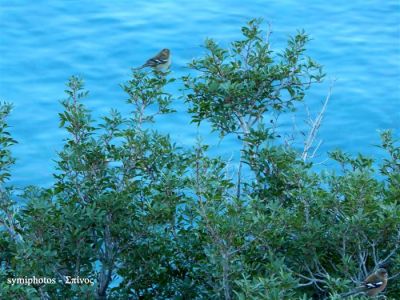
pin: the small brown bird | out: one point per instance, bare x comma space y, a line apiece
161, 61
372, 285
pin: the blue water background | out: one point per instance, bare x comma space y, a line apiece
42, 43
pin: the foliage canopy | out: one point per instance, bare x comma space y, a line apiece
145, 219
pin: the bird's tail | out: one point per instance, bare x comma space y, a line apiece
353, 292
139, 68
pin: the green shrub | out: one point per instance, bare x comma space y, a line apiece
144, 219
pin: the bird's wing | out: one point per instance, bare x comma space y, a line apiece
373, 285
156, 61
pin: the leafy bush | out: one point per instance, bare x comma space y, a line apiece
144, 219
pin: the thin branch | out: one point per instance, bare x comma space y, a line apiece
315, 125
395, 276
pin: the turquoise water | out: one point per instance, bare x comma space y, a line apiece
42, 43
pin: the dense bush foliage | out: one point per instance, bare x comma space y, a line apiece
145, 219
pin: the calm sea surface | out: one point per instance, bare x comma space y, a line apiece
42, 43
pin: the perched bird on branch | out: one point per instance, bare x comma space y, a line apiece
372, 285
161, 61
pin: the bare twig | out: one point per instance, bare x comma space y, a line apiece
315, 125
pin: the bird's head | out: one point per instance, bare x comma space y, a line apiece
164, 52
382, 272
